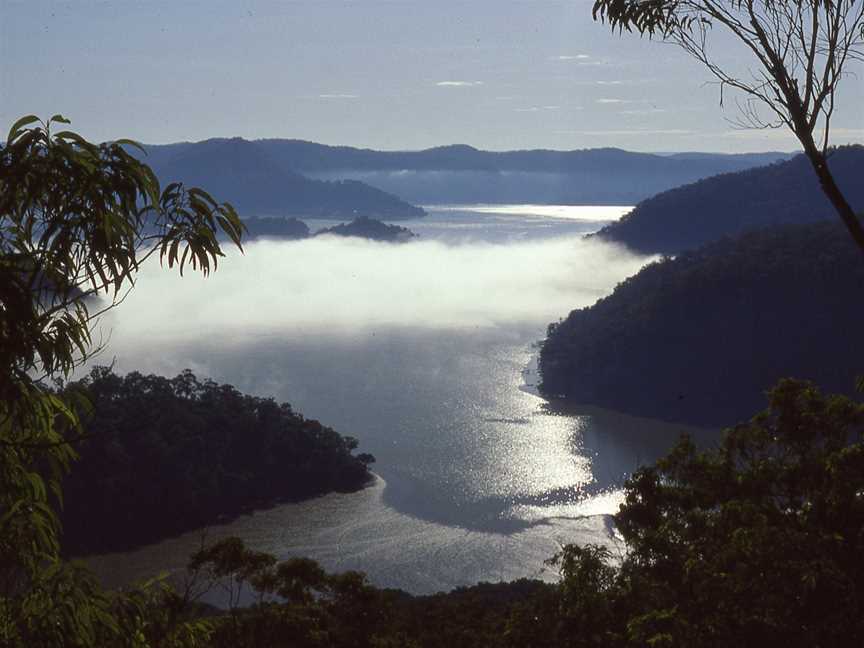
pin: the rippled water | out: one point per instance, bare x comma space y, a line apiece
480, 479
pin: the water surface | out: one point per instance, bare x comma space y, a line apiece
419, 350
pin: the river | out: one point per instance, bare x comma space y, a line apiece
423, 351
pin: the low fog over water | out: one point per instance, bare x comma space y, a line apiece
419, 350
468, 269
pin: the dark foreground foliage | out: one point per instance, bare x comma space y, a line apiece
715, 328
162, 456
754, 543
295, 603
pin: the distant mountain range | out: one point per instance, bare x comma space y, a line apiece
725, 205
305, 179
240, 172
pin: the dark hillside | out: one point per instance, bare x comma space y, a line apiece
729, 204
699, 338
163, 456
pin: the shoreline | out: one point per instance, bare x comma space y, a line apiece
531, 373
225, 519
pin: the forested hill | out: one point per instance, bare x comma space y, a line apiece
163, 456
699, 338
450, 174
241, 173
724, 205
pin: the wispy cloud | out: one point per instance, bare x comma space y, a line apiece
643, 111
617, 133
536, 109
625, 82
839, 135
621, 102
338, 95
571, 57
458, 84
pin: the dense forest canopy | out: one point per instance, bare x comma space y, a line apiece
700, 337
786, 192
162, 456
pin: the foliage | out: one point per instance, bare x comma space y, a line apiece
296, 603
700, 337
800, 49
754, 543
162, 456
76, 222
293, 603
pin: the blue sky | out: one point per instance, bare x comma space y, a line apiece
397, 74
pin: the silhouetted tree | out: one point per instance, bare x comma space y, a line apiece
754, 543
77, 220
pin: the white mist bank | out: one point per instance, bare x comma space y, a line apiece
590, 213
331, 285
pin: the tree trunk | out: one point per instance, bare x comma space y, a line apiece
826, 181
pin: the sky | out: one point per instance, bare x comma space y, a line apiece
384, 74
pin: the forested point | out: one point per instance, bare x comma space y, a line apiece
162, 456
701, 337
787, 192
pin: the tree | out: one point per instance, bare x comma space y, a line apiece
290, 603
801, 46
77, 220
754, 543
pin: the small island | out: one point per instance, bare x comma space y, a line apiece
370, 228
278, 228
293, 229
